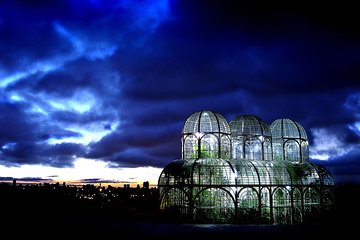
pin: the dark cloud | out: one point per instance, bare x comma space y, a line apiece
33, 179
13, 123
98, 180
57, 155
139, 145
6, 178
25, 179
116, 81
345, 168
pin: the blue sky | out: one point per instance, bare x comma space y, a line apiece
90, 85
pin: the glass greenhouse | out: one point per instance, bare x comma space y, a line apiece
245, 171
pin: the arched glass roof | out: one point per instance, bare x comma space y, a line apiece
249, 125
213, 171
287, 128
206, 122
324, 174
244, 173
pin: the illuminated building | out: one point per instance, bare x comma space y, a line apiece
245, 171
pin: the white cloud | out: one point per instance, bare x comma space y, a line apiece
80, 102
355, 128
327, 144
91, 132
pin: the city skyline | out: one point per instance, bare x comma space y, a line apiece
95, 91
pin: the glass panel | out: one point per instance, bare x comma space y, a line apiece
292, 151
213, 205
246, 173
237, 148
213, 172
225, 147
311, 205
297, 203
224, 125
282, 206
265, 206
192, 123
175, 202
290, 129
253, 150
305, 151
325, 176
267, 150
248, 206
209, 146
278, 153
247, 150
190, 147
208, 122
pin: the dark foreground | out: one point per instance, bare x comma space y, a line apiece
108, 228
53, 213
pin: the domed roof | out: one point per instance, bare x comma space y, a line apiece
249, 125
287, 128
250, 173
206, 122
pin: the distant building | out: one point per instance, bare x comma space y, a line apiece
146, 185
245, 171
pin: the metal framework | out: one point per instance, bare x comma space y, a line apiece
289, 141
251, 138
211, 185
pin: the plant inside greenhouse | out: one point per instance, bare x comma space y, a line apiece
245, 171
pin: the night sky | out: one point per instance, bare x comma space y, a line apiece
99, 90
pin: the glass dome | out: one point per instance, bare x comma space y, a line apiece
289, 141
251, 138
206, 122
287, 128
206, 134
249, 125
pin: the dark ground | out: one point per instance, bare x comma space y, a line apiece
95, 228
51, 220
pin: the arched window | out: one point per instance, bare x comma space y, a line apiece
311, 205
281, 205
267, 150
305, 151
248, 150
225, 147
265, 206
253, 150
278, 153
292, 151
237, 148
213, 205
175, 200
297, 206
209, 146
248, 206
190, 147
